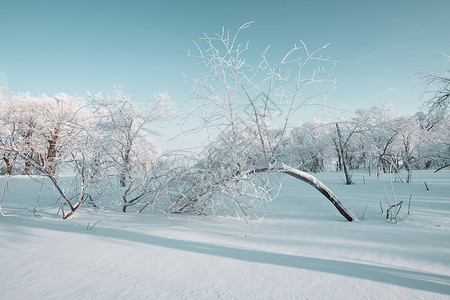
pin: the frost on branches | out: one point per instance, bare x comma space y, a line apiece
250, 111
95, 143
249, 108
123, 129
44, 136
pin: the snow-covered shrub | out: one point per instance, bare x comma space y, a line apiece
228, 178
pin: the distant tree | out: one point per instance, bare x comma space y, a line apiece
308, 148
437, 102
354, 147
437, 93
411, 137
21, 127
122, 131
434, 149
38, 128
47, 134
379, 126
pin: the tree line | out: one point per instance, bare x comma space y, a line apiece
103, 143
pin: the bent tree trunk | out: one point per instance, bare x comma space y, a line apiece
323, 189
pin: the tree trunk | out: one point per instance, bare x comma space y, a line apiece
9, 166
323, 189
126, 168
409, 172
51, 154
338, 162
348, 179
380, 167
26, 170
122, 179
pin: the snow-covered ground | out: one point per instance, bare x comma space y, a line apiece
301, 249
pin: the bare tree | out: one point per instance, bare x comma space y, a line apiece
437, 85
437, 91
250, 108
380, 128
434, 147
122, 133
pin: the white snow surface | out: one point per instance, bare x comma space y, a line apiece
301, 249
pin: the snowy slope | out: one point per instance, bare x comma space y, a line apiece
301, 249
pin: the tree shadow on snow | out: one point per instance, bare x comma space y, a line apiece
391, 275
407, 278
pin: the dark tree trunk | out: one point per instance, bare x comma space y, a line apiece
9, 166
51, 154
348, 178
122, 180
409, 172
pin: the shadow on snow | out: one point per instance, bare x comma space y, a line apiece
391, 275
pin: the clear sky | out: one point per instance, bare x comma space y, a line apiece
76, 46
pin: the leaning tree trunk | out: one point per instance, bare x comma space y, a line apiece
348, 178
322, 188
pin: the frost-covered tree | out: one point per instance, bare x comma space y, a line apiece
380, 129
122, 131
38, 128
437, 93
437, 104
22, 127
309, 147
47, 135
248, 107
410, 138
434, 149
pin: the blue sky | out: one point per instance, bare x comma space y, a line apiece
76, 46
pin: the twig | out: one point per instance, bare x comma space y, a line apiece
90, 228
409, 205
5, 188
37, 201
364, 212
385, 197
393, 195
397, 210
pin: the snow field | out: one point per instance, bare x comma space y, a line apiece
301, 249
